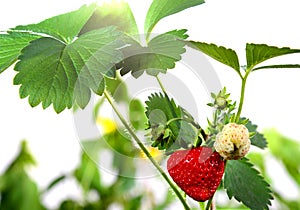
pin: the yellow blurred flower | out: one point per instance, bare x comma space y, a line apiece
155, 153
107, 125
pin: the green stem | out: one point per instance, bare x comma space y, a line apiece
209, 203
180, 119
202, 205
244, 80
144, 149
161, 85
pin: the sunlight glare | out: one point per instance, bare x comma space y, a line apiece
101, 2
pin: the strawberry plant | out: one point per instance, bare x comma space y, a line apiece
64, 60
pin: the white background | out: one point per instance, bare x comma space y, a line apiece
272, 96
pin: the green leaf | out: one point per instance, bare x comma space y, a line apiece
161, 54
18, 190
258, 160
52, 72
134, 203
87, 174
287, 150
163, 8
168, 129
11, 45
258, 139
137, 115
70, 205
244, 183
219, 53
63, 27
283, 66
24, 158
55, 182
116, 14
258, 53
92, 147
165, 106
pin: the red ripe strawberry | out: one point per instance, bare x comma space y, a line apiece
198, 172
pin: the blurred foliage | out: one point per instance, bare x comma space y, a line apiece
18, 191
287, 152
137, 115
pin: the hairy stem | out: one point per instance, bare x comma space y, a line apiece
144, 149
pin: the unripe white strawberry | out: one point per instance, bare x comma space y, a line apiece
233, 141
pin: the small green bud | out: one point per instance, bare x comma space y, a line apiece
221, 102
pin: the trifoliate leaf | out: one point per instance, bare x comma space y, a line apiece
64, 27
52, 72
113, 13
163, 8
257, 53
11, 45
171, 128
244, 183
258, 139
160, 55
219, 53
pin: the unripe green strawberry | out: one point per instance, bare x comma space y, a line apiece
233, 141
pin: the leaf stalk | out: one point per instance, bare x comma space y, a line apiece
242, 96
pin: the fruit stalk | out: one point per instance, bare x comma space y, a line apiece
144, 149
209, 205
